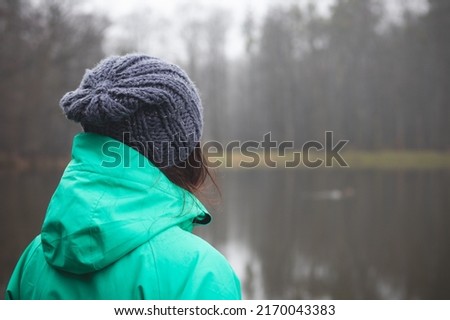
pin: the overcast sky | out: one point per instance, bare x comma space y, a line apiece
237, 7
169, 11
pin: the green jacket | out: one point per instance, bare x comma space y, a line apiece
117, 228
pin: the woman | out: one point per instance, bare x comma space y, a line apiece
119, 223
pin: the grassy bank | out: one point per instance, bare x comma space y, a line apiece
398, 159
387, 159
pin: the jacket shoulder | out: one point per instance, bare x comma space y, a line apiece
188, 267
14, 288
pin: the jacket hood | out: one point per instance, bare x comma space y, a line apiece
111, 200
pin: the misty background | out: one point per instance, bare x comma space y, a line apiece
375, 72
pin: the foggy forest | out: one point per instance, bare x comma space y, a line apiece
379, 85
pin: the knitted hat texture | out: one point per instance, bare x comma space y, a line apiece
143, 101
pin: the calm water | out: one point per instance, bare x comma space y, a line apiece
299, 234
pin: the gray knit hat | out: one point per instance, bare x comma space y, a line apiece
142, 101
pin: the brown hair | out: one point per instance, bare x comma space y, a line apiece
192, 173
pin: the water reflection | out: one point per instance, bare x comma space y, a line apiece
339, 234
299, 234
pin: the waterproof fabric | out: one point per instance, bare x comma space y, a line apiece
117, 228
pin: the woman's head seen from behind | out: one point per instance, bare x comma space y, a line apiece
148, 104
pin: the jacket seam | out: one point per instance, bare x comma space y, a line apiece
156, 269
94, 212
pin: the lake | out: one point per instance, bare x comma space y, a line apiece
299, 233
